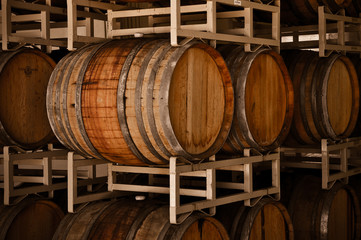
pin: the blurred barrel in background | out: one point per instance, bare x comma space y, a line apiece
324, 214
326, 96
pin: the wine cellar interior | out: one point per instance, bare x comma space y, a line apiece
180, 119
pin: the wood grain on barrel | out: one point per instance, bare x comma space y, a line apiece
327, 96
339, 97
334, 215
147, 76
268, 219
208, 228
269, 224
133, 95
122, 101
136, 220
23, 80
99, 102
197, 101
266, 100
71, 102
340, 226
263, 99
30, 219
63, 102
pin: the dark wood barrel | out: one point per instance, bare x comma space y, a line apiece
263, 99
300, 12
140, 102
354, 9
268, 219
24, 76
136, 220
30, 219
321, 214
326, 96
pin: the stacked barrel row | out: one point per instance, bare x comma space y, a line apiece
141, 102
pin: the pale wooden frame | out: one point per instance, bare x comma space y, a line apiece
323, 154
325, 49
206, 170
203, 31
42, 22
75, 161
44, 159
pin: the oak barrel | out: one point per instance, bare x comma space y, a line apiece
326, 96
31, 219
324, 214
24, 76
354, 9
263, 99
355, 59
136, 220
140, 102
268, 219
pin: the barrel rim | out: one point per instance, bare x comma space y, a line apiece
321, 97
240, 112
228, 94
326, 208
254, 211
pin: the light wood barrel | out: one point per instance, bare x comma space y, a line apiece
326, 96
321, 214
29, 220
355, 59
263, 99
24, 76
136, 220
141, 102
266, 220
300, 12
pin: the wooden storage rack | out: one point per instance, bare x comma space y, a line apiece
74, 162
207, 170
43, 160
40, 20
206, 30
15, 27
334, 160
342, 35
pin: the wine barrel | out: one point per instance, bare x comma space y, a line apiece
140, 102
355, 59
300, 12
263, 99
326, 96
321, 214
24, 76
268, 219
354, 9
136, 220
30, 219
